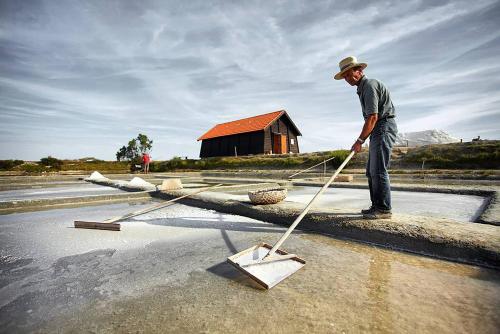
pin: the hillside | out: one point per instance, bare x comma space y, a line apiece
471, 155
481, 154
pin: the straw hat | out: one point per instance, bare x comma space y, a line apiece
346, 64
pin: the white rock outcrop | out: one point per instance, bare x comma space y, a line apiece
426, 137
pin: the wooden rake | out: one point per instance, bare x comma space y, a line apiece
112, 225
269, 265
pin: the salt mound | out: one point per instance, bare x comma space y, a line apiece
95, 176
138, 182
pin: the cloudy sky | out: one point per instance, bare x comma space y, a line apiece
81, 78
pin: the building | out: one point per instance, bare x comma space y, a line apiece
271, 133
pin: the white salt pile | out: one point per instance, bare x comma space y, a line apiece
137, 182
96, 176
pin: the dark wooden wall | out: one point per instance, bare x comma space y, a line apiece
284, 127
246, 143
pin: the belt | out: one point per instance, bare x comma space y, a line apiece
386, 117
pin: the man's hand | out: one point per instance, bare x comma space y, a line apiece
356, 147
370, 123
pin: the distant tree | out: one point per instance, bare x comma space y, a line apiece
134, 149
51, 162
9, 164
145, 144
121, 154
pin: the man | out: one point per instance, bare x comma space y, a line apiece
380, 126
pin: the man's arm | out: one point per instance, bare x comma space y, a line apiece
370, 122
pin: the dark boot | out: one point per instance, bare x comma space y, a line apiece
378, 214
369, 210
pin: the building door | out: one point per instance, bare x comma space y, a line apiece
284, 148
276, 143
279, 143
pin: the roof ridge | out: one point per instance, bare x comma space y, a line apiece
242, 119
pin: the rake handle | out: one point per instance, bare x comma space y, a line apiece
304, 212
158, 206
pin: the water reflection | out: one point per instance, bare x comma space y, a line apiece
378, 291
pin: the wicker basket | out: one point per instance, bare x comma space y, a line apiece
267, 196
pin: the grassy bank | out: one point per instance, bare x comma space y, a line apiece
90, 166
252, 162
483, 155
83, 165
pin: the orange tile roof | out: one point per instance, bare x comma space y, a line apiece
244, 125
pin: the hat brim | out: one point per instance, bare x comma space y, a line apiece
339, 76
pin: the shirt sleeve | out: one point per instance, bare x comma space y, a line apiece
370, 97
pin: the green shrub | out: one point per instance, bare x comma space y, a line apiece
33, 168
10, 164
51, 162
136, 164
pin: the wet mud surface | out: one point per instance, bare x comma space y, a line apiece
341, 289
166, 271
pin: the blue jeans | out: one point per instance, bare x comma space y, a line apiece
382, 138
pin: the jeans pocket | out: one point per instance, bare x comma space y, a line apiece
379, 129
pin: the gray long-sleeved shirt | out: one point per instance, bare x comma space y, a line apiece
375, 98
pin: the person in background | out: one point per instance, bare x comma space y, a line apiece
146, 159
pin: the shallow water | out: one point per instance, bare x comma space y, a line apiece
343, 288
167, 272
451, 206
76, 190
